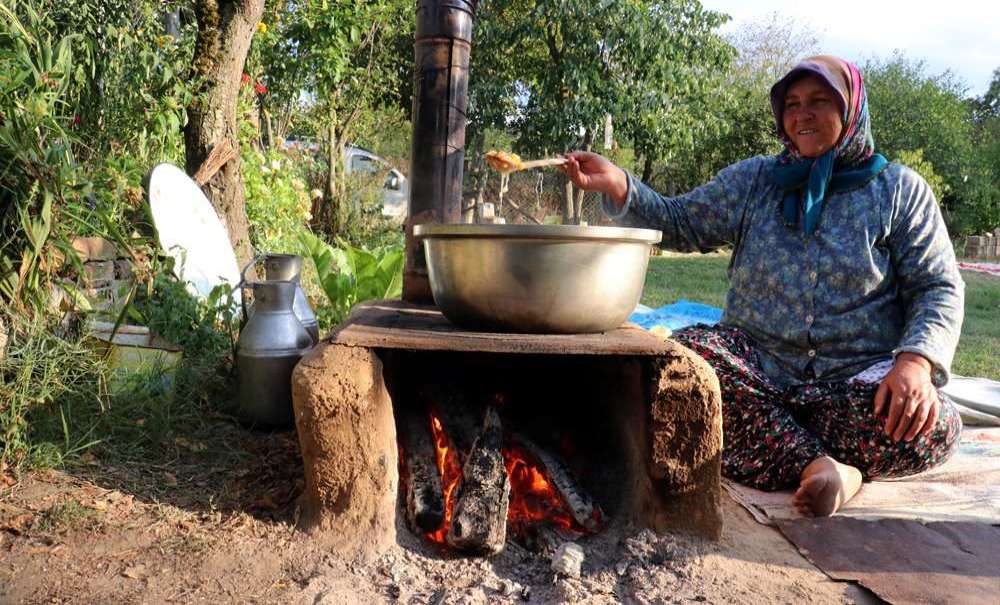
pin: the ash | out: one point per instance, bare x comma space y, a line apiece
621, 565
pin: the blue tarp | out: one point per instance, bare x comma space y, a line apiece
677, 315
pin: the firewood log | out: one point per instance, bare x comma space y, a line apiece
479, 524
585, 511
424, 493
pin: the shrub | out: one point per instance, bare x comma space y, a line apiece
44, 366
78, 131
352, 275
277, 199
923, 167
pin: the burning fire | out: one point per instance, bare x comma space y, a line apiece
451, 475
533, 499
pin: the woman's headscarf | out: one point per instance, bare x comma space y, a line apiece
852, 161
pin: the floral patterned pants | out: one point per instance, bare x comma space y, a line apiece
771, 433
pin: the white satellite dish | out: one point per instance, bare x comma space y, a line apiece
191, 233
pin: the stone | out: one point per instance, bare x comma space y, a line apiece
95, 249
98, 274
508, 588
100, 299
121, 288
108, 298
123, 270
568, 559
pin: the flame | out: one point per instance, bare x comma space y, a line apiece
450, 472
533, 499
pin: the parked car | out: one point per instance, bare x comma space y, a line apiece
395, 189
360, 161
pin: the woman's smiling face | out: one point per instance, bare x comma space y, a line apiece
812, 116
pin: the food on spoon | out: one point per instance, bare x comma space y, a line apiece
503, 162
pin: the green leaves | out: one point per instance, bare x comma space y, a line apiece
912, 109
339, 47
557, 68
915, 160
352, 275
53, 151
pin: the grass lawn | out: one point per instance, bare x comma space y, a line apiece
702, 278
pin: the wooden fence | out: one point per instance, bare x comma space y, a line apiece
983, 246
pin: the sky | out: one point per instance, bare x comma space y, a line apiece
960, 35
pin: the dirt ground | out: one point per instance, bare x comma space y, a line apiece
190, 532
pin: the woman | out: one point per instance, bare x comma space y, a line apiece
845, 302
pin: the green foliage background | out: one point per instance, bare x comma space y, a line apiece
94, 93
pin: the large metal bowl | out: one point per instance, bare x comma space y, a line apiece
541, 279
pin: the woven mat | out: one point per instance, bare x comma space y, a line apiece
966, 489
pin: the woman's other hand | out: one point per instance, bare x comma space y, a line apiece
592, 172
911, 397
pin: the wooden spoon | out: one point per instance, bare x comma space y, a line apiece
505, 163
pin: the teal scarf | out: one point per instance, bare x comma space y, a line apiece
810, 180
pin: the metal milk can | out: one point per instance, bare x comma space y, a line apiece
288, 267
270, 345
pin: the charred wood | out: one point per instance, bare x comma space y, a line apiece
424, 493
479, 524
547, 538
585, 511
542, 539
459, 417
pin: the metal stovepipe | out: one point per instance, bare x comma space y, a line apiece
442, 45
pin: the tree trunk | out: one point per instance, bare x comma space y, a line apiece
333, 212
480, 522
609, 133
225, 28
578, 206
268, 128
585, 511
424, 493
568, 218
331, 215
647, 168
577, 202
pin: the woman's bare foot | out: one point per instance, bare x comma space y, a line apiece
825, 486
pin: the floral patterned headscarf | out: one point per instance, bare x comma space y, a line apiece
852, 161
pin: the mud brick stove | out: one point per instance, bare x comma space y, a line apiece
406, 420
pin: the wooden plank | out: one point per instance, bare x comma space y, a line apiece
394, 324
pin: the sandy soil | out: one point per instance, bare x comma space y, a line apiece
188, 533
